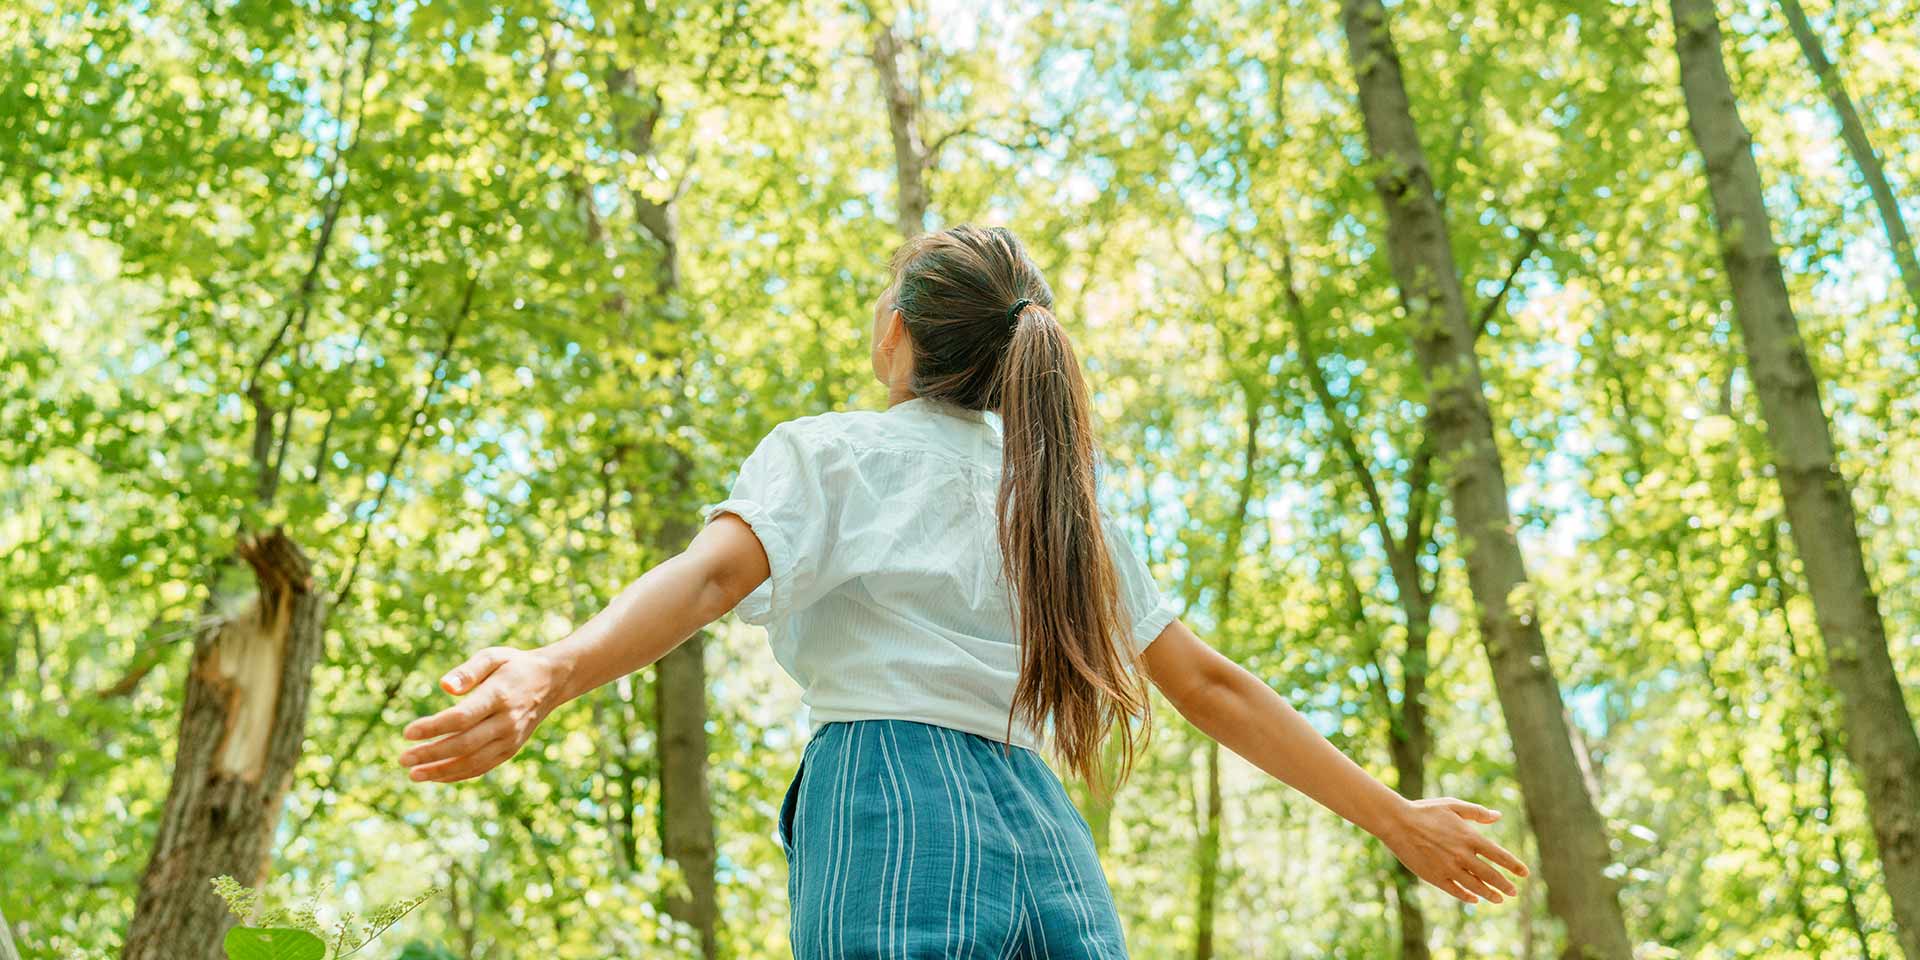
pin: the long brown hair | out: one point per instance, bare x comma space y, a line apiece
980, 320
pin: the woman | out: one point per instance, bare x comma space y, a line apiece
939, 579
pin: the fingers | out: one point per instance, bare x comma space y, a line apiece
1499, 855
1472, 880
469, 766
1487, 875
466, 676
451, 720
1473, 811
1466, 880
475, 736
466, 741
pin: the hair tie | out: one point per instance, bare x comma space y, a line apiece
1013, 315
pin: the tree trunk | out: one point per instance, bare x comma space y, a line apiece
244, 717
1854, 132
909, 152
1408, 744
1879, 733
685, 814
241, 731
1207, 902
680, 731
680, 724
1558, 806
1408, 738
1842, 870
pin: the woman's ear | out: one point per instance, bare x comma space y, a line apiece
896, 329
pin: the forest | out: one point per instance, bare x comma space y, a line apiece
1526, 391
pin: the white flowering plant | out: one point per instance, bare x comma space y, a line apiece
277, 930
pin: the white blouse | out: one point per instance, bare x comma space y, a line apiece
886, 599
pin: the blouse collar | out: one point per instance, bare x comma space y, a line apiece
931, 405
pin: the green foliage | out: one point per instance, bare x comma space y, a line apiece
272, 928
423, 234
273, 943
416, 950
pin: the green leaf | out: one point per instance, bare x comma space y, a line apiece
273, 943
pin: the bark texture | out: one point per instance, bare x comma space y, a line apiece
1573, 838
686, 811
1859, 146
910, 155
241, 731
1879, 734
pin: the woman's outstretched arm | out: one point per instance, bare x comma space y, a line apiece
507, 692
1434, 838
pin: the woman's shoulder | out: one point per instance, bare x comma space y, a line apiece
829, 428
829, 435
859, 435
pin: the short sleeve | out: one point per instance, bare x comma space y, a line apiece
1147, 610
781, 493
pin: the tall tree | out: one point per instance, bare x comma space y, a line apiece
1859, 146
243, 720
911, 158
680, 678
1206, 905
1572, 836
1774, 586
244, 714
240, 734
1880, 738
1409, 739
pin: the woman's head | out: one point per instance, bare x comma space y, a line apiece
949, 306
969, 321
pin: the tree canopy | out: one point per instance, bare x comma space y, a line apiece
478, 303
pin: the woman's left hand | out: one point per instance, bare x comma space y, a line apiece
1436, 839
508, 692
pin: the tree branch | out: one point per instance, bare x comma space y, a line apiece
1330, 405
149, 657
413, 426
1419, 495
266, 462
1529, 243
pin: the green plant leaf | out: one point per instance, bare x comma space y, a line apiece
273, 943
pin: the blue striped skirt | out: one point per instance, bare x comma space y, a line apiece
909, 840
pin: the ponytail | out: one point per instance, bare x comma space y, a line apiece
980, 320
1067, 595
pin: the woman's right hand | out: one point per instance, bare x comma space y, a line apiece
507, 693
1436, 839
